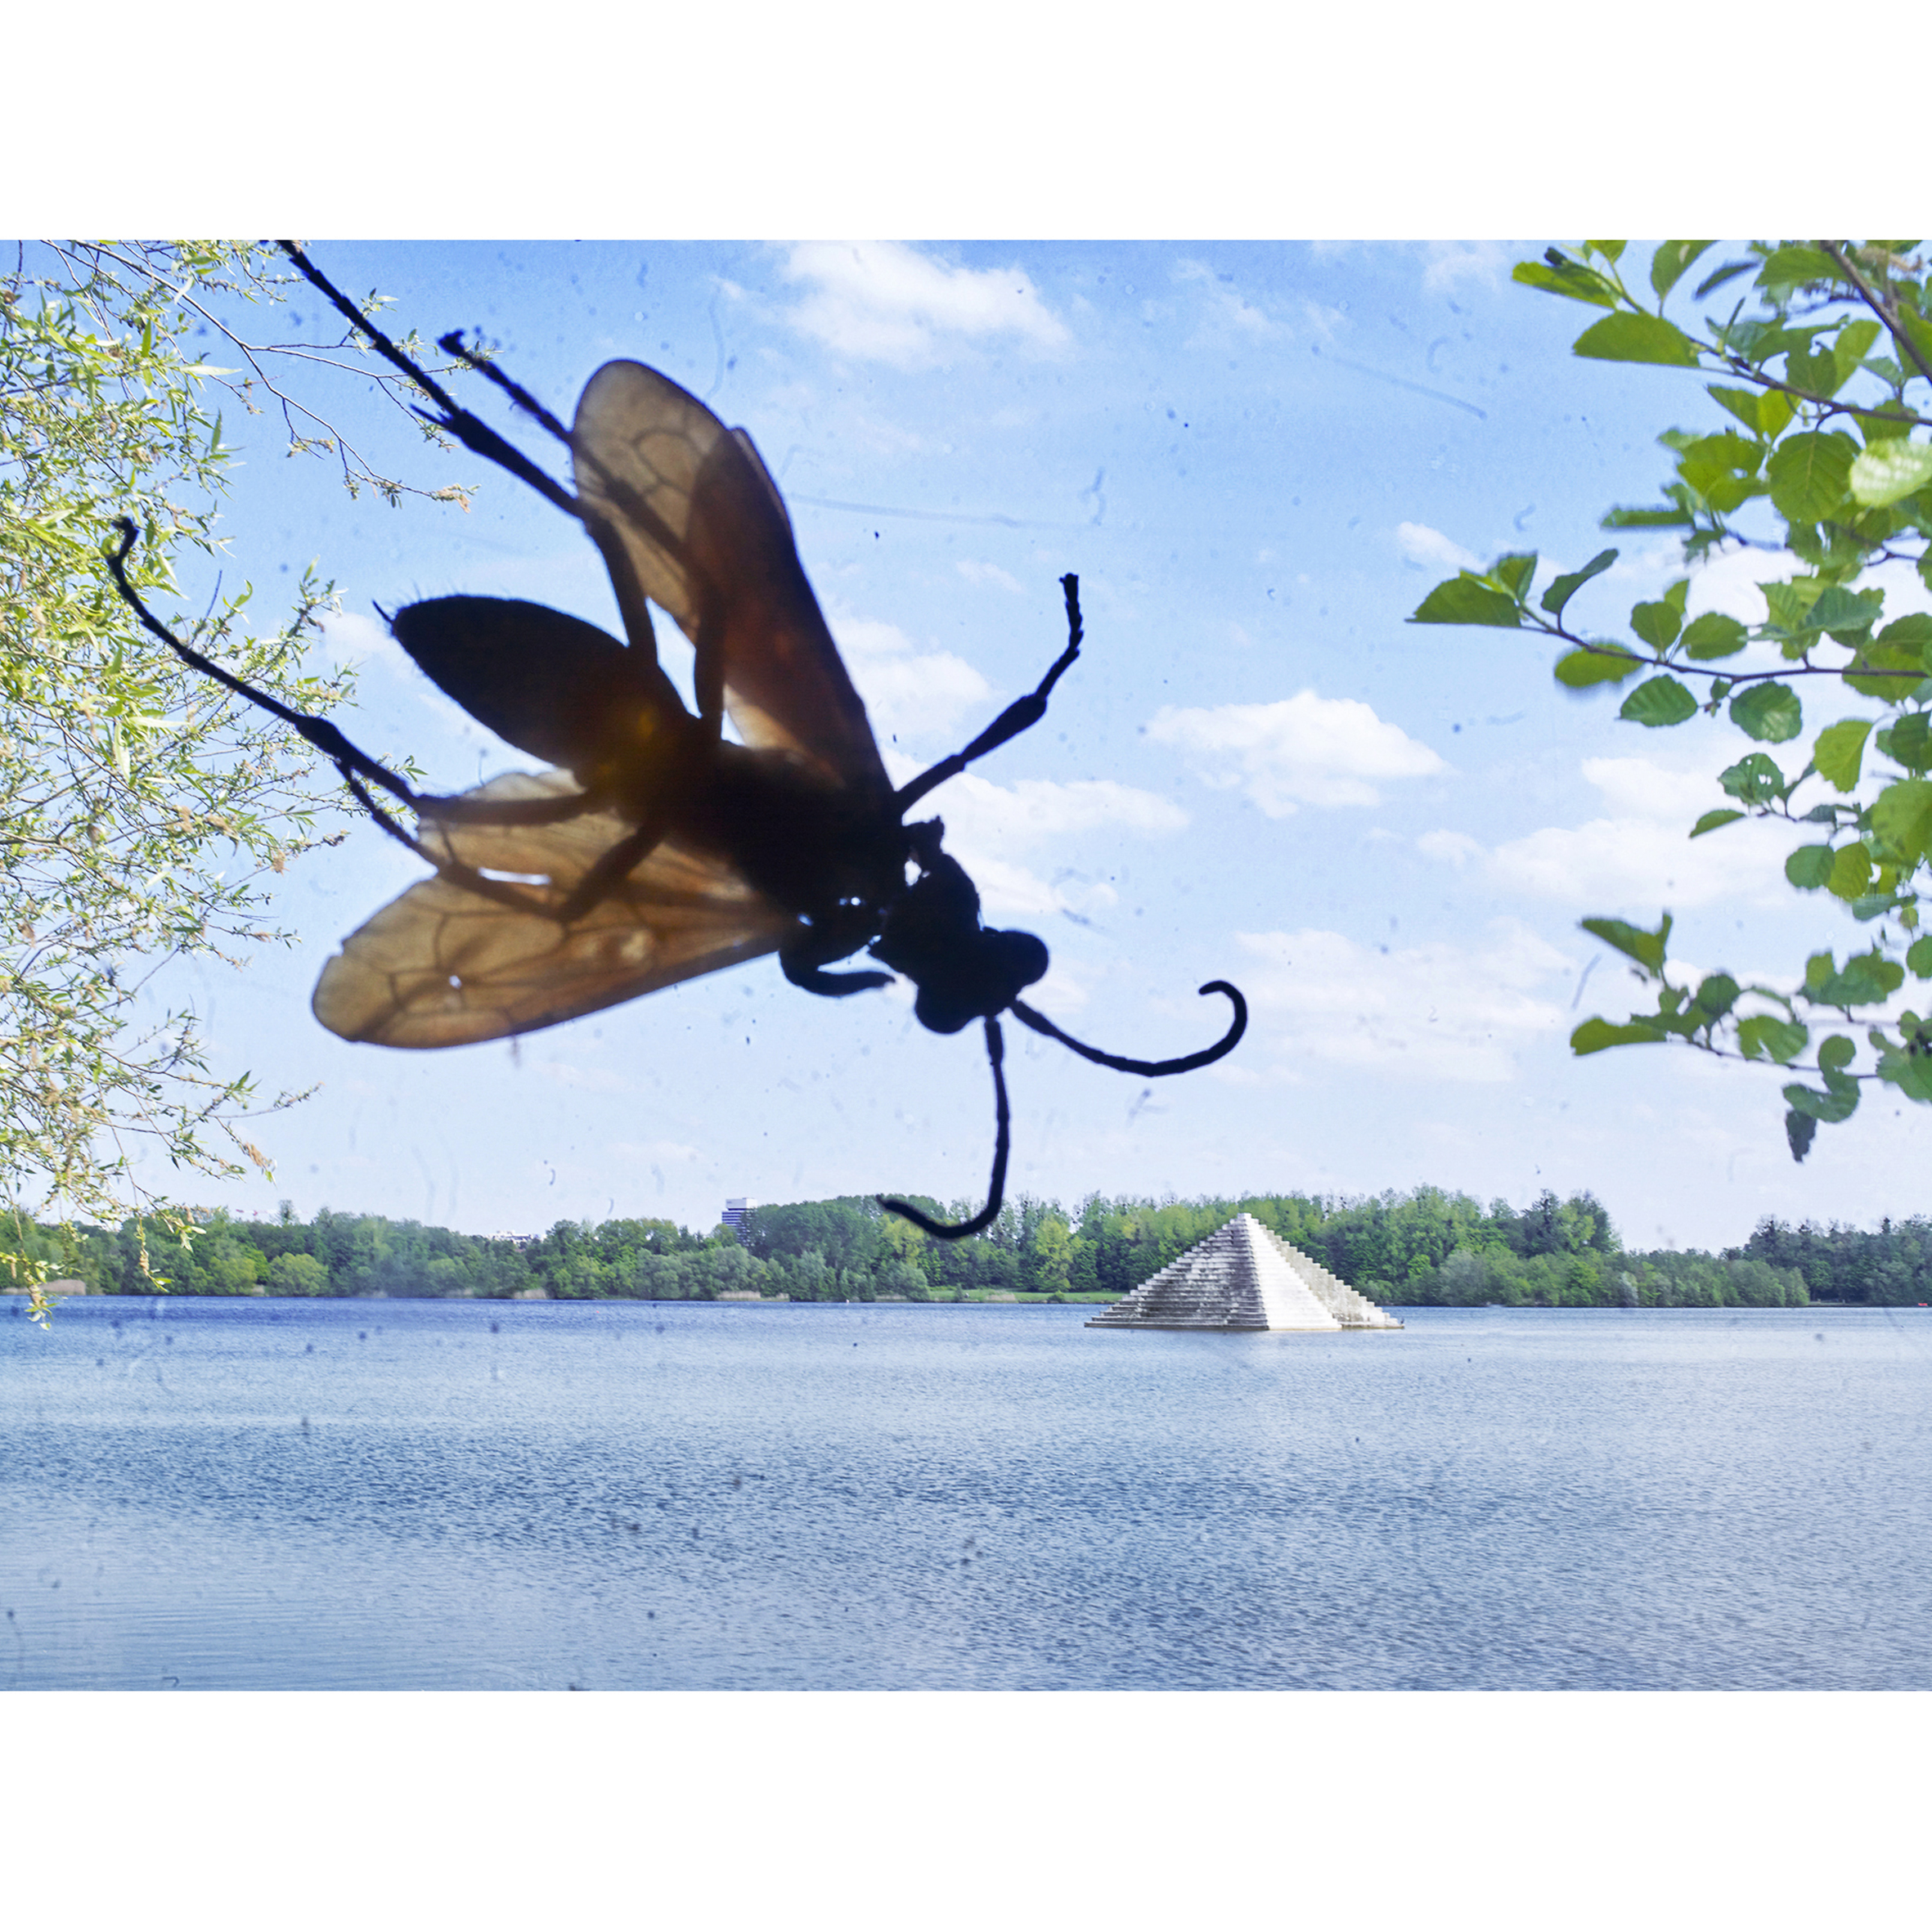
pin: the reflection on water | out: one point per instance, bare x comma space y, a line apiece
204, 1494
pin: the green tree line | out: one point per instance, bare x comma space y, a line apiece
1426, 1247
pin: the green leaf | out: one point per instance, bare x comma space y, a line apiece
1756, 779
1712, 820
1768, 712
1788, 604
1594, 1035
1828, 1107
1645, 948
1513, 573
1717, 994
1775, 411
1659, 701
1851, 872
1883, 425
1845, 615
1810, 867
1902, 817
1566, 586
1837, 1054
1911, 632
1610, 251
1840, 751
1645, 519
1918, 956
1466, 599
1625, 337
1793, 266
1909, 742
1888, 471
1562, 277
1765, 1036
1891, 668
1670, 261
1580, 669
1911, 1071
1815, 371
1810, 473
1713, 635
1722, 469
1852, 345
1742, 403
1718, 276
1657, 624
1869, 979
1799, 1129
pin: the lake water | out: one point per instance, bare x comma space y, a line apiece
205, 1495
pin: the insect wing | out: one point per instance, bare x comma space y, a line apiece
687, 515
447, 964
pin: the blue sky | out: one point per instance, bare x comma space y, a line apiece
1257, 457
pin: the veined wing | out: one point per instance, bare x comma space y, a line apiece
446, 964
687, 515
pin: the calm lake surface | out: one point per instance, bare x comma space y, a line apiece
205, 1495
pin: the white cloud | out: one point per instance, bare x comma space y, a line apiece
881, 301
1454, 261
990, 573
1420, 544
907, 691
1326, 322
1431, 1011
1300, 750
1223, 308
1036, 809
1641, 858
987, 825
1457, 848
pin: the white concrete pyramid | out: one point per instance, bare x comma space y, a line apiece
1244, 1276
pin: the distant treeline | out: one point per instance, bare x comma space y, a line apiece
1892, 1265
1426, 1247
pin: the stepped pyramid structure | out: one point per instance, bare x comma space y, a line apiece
1244, 1277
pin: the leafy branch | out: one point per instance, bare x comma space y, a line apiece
1840, 502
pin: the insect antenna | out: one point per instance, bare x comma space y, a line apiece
1120, 1064
1002, 1147
452, 344
1022, 715
474, 434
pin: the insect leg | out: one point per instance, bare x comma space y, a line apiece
1018, 717
804, 971
611, 870
1041, 1024
356, 765
517, 898
464, 811
1002, 1147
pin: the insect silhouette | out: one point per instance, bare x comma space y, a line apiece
655, 849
